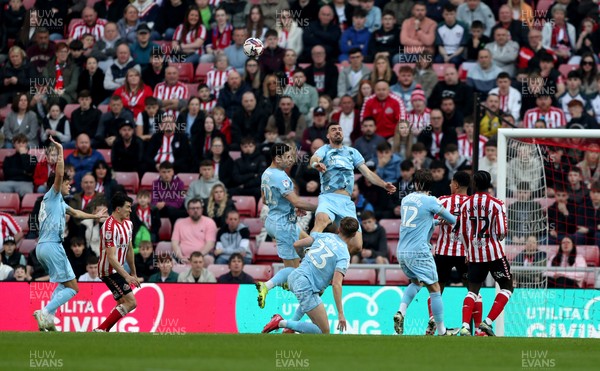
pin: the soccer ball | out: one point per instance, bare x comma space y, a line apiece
253, 47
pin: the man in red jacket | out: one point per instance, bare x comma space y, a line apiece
386, 108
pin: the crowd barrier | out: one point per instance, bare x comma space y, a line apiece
219, 308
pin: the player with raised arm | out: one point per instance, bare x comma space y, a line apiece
49, 250
417, 212
336, 163
483, 226
278, 194
326, 261
115, 248
449, 250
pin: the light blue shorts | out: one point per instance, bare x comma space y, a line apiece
337, 206
300, 286
285, 235
419, 266
53, 258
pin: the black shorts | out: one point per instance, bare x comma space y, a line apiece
444, 265
500, 270
117, 285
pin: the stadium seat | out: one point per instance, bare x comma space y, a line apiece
129, 180
550, 250
23, 222
218, 269
564, 69
392, 251
9, 203
69, 108
245, 205
186, 71
357, 276
180, 268
103, 108
90, 3
26, 246
392, 228
395, 277
591, 254
187, 178
259, 272
202, 71
28, 4
193, 89
4, 112
254, 226
106, 154
28, 202
133, 197
147, 180
440, 68
166, 229
163, 247
266, 252
235, 155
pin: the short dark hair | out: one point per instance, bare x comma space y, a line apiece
348, 226
368, 118
119, 200
503, 75
143, 193
206, 163
477, 24
247, 140
546, 57
195, 201
165, 165
279, 149
196, 254
423, 180
388, 12
491, 143
92, 260
359, 13
20, 138
384, 146
419, 147
449, 7
235, 255
151, 101
406, 165
470, 119
76, 241
437, 164
354, 51
367, 215
451, 148
116, 98
84, 94
574, 75
482, 180
271, 32
462, 178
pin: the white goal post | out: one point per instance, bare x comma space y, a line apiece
504, 135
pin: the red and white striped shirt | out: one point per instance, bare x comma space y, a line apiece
144, 216
465, 146
165, 152
162, 91
215, 80
208, 106
555, 118
114, 234
8, 226
192, 35
221, 40
483, 226
419, 121
449, 242
80, 29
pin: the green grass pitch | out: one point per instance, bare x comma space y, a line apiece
115, 352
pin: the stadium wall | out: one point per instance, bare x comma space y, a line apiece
206, 308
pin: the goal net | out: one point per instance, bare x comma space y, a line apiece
550, 182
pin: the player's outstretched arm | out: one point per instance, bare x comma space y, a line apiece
100, 214
299, 203
60, 166
336, 283
375, 179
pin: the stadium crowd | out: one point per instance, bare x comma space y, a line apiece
163, 88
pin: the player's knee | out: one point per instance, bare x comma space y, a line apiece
322, 220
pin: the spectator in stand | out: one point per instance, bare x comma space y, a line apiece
55, 124
454, 160
168, 145
566, 257
105, 49
218, 205
288, 120
203, 137
201, 187
348, 118
88, 198
194, 233
475, 10
154, 73
90, 24
510, 98
518, 31
250, 120
348, 81
382, 70
417, 33
78, 255
221, 36
128, 25
355, 37
580, 119
9, 227
386, 108
165, 272
84, 157
305, 97
149, 12
419, 156
18, 169
452, 118
197, 272
556, 169
148, 122
401, 8
272, 59
504, 51
405, 184
9, 256
559, 35
115, 74
529, 54
373, 22
385, 40
365, 90
222, 162
528, 257
578, 193
223, 122
108, 127
419, 115
20, 274
466, 140
308, 178
91, 80
450, 37
170, 15
360, 202
525, 167
172, 94
207, 101
289, 32
145, 216
145, 262
490, 122
452, 87
322, 74
60, 83
523, 13
133, 92
441, 185
255, 23
368, 142
35, 269
573, 92
110, 10
562, 216
590, 169
252, 75
80, 51
233, 238
482, 77
104, 181
189, 37
43, 169
588, 72
387, 163
142, 49
290, 65
230, 97
403, 140
127, 153
168, 193
235, 52
91, 269
317, 131
476, 42
322, 32
552, 116
41, 51
236, 272
436, 139
15, 75
525, 216
247, 170
271, 92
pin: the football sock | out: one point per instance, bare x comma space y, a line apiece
117, 313
298, 314
303, 327
468, 305
429, 307
499, 303
280, 278
409, 294
437, 307
60, 296
57, 289
477, 311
